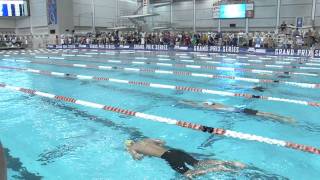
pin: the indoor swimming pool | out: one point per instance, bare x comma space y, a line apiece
67, 113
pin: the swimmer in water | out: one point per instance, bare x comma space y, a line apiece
3, 168
221, 107
259, 88
286, 75
179, 160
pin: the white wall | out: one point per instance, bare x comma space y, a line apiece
265, 15
106, 15
37, 20
7, 24
105, 12
291, 9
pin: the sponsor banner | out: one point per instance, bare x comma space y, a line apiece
295, 52
52, 12
299, 22
208, 49
217, 49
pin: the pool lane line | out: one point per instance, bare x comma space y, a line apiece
167, 86
275, 66
279, 65
79, 77
218, 68
198, 62
202, 57
189, 125
177, 73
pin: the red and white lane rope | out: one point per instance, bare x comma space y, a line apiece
279, 65
177, 73
218, 68
167, 86
198, 127
259, 63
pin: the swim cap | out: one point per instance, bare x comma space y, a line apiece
128, 142
209, 103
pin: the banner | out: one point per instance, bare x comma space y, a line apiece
52, 12
207, 49
299, 22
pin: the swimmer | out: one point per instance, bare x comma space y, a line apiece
259, 88
3, 169
284, 77
179, 160
221, 107
256, 88
69, 76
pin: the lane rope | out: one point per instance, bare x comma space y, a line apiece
189, 125
278, 65
176, 73
201, 56
187, 66
171, 87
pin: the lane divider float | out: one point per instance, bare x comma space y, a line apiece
177, 73
206, 60
184, 124
278, 65
218, 68
170, 87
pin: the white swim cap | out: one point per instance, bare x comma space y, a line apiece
209, 103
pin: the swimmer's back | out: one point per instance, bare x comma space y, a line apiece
148, 148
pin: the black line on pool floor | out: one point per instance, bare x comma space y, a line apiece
17, 166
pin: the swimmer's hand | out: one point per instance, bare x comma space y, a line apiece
138, 157
289, 120
135, 155
239, 165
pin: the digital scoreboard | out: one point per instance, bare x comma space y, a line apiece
14, 8
229, 11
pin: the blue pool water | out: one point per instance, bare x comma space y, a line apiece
48, 139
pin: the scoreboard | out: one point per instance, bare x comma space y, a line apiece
14, 8
227, 9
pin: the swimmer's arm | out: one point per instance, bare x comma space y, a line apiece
157, 141
134, 154
194, 173
276, 117
236, 165
189, 103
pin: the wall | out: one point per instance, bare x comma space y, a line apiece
37, 22
265, 15
65, 17
7, 24
105, 13
291, 9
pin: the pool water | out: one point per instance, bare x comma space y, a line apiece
48, 139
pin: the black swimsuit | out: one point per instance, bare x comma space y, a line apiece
178, 160
250, 111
